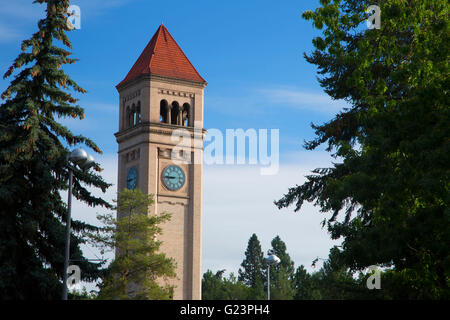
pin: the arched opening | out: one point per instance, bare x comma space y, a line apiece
129, 118
186, 116
164, 112
133, 115
137, 114
175, 113
124, 117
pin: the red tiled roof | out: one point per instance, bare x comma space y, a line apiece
162, 56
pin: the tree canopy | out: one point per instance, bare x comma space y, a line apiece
388, 192
139, 270
252, 271
282, 274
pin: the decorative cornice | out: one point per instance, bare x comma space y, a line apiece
155, 77
176, 93
154, 127
131, 96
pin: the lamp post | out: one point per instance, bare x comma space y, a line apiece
80, 158
271, 260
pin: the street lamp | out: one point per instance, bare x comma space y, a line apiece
271, 260
80, 158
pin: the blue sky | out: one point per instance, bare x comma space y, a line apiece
251, 54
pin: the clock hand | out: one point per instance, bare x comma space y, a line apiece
170, 177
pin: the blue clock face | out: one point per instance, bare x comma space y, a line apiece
173, 177
132, 178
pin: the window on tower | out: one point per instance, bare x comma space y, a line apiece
164, 112
137, 115
175, 113
186, 115
133, 116
128, 118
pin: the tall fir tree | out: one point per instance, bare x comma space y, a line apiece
303, 284
390, 185
253, 266
282, 285
34, 168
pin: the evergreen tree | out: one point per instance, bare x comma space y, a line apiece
391, 186
332, 282
282, 274
252, 273
34, 168
212, 286
236, 290
139, 270
302, 284
335, 282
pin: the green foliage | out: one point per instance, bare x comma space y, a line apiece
83, 295
333, 281
282, 274
212, 286
34, 168
139, 270
391, 186
216, 287
252, 280
303, 285
252, 273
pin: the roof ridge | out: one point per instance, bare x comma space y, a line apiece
163, 56
156, 35
163, 32
189, 61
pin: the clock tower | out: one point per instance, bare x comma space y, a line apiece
161, 96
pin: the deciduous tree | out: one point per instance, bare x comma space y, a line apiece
390, 183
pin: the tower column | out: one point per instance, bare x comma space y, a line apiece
149, 151
180, 116
169, 114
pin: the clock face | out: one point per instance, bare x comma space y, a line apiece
132, 178
173, 177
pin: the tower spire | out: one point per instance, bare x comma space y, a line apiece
163, 56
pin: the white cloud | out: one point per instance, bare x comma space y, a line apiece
238, 201
304, 99
109, 108
101, 4
93, 112
18, 15
22, 9
261, 101
85, 213
8, 34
